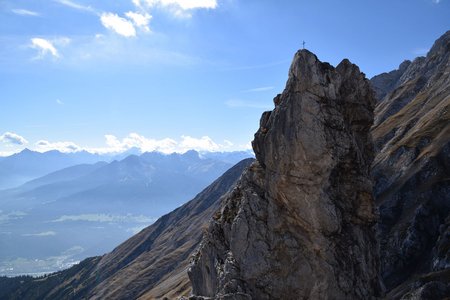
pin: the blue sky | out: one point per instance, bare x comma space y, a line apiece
172, 75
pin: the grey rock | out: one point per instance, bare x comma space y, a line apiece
384, 83
417, 77
299, 224
411, 171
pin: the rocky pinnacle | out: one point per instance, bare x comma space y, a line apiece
300, 223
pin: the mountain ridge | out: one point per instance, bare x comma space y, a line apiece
411, 171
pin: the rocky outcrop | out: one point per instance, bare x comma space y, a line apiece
299, 224
416, 78
150, 265
412, 171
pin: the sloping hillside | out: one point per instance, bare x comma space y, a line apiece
412, 173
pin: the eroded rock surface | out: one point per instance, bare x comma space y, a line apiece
299, 224
412, 171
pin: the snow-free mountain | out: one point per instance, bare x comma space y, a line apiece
53, 221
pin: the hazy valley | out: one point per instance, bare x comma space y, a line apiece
55, 220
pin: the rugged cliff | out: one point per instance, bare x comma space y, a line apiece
299, 224
412, 174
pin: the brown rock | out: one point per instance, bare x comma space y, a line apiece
299, 224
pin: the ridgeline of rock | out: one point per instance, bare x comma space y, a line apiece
413, 79
150, 265
412, 176
300, 223
384, 83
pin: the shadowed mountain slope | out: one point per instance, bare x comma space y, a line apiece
412, 173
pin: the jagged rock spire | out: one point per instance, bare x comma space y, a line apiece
299, 225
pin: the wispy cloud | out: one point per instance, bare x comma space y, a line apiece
40, 234
25, 12
259, 89
118, 24
179, 8
436, 1
13, 138
59, 102
75, 5
15, 215
65, 147
108, 218
114, 145
44, 47
140, 20
238, 103
167, 145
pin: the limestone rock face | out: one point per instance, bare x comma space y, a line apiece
299, 224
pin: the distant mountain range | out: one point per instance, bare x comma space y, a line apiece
27, 165
93, 207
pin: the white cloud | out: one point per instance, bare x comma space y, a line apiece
140, 20
118, 24
59, 102
61, 41
179, 8
238, 103
75, 5
65, 147
25, 12
15, 215
44, 47
183, 4
13, 138
40, 234
9, 153
436, 1
106, 218
204, 143
259, 89
166, 145
114, 145
134, 140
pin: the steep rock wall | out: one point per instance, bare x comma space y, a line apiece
299, 224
